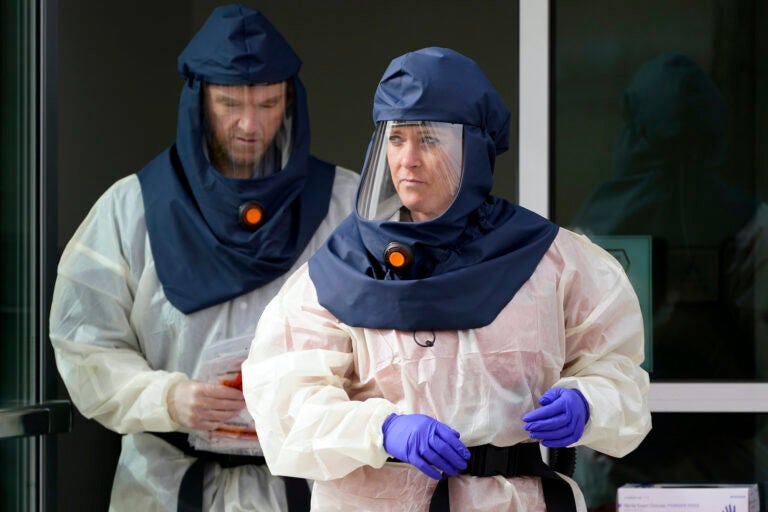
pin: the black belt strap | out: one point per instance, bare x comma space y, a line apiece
191, 488
512, 461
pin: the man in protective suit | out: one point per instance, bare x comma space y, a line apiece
441, 333
160, 289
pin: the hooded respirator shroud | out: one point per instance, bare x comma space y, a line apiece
426, 188
245, 232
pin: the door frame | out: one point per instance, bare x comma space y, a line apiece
28, 416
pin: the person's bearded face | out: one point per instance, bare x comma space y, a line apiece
241, 122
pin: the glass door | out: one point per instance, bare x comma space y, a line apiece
645, 129
25, 415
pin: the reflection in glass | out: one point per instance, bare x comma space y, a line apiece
709, 241
708, 235
684, 170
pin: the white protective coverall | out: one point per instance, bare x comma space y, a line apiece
120, 346
320, 390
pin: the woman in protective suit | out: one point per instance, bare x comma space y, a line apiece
441, 332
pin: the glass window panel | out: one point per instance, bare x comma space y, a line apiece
691, 448
657, 133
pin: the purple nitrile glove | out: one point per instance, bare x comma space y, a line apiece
424, 442
561, 418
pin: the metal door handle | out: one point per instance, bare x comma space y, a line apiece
52, 417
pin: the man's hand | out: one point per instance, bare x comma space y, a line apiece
203, 405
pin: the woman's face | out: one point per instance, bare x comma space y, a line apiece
425, 164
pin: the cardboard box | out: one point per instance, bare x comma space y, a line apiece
688, 497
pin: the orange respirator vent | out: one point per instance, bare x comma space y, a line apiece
251, 215
397, 255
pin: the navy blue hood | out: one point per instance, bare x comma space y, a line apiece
669, 162
202, 254
470, 261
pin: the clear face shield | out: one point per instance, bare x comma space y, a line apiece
413, 172
247, 128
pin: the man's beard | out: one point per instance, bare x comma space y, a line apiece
260, 164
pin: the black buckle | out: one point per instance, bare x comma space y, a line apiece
490, 460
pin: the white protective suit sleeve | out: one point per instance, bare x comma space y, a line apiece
604, 348
97, 351
302, 377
